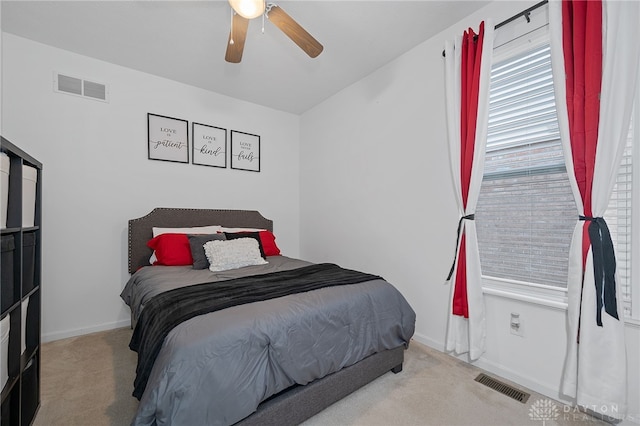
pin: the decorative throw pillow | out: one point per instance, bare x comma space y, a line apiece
254, 235
197, 242
171, 250
210, 229
268, 242
233, 254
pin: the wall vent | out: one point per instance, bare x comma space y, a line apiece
69, 84
503, 388
80, 87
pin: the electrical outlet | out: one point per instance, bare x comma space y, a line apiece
516, 324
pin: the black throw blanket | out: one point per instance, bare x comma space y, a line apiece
166, 310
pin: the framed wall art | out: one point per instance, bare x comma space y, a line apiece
209, 145
168, 138
245, 151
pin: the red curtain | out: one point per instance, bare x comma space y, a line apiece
582, 43
470, 87
582, 48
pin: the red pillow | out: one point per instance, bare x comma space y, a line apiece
171, 249
268, 241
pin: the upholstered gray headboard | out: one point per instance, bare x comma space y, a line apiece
140, 229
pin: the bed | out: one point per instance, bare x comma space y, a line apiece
276, 361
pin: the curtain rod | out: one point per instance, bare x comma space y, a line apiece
524, 13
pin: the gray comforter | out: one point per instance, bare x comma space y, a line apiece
216, 368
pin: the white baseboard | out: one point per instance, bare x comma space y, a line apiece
428, 341
512, 376
497, 369
528, 382
50, 337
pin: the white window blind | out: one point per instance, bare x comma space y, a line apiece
619, 217
526, 212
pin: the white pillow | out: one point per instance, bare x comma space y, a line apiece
234, 230
233, 254
212, 229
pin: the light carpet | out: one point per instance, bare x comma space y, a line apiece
88, 380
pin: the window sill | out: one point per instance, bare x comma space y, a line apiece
549, 296
632, 322
538, 294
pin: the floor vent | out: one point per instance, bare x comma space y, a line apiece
77, 86
503, 388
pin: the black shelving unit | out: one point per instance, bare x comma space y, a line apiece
21, 282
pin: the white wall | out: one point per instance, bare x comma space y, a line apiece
376, 194
374, 184
96, 174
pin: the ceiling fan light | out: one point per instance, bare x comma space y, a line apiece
248, 9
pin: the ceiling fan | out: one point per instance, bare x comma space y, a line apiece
244, 10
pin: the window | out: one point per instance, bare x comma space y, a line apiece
619, 220
526, 212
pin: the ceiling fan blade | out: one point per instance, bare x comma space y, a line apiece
237, 36
293, 30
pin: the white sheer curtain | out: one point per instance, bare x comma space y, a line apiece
595, 369
466, 331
